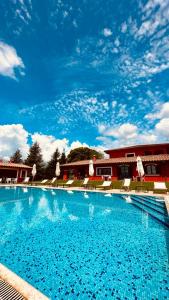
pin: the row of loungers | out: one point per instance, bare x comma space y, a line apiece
158, 186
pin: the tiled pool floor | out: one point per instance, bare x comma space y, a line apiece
83, 245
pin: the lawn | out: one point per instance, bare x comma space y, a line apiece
115, 184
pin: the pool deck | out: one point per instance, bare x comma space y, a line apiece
25, 289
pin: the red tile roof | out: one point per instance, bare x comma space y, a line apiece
137, 146
13, 165
148, 158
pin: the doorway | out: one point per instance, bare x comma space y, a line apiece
124, 171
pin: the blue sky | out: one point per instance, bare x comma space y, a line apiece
83, 73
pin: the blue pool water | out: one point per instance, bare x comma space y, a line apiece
83, 245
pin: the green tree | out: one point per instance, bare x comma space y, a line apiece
16, 157
51, 166
62, 159
35, 157
83, 153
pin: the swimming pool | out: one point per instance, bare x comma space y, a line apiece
77, 245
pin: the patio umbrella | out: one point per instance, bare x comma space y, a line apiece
34, 171
57, 171
140, 168
91, 169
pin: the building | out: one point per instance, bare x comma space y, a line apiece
122, 164
13, 170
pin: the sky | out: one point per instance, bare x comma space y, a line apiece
83, 73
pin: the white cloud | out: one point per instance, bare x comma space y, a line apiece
126, 130
114, 103
101, 128
23, 11
163, 112
125, 134
9, 61
124, 27
12, 137
49, 144
107, 32
117, 42
155, 14
75, 145
162, 128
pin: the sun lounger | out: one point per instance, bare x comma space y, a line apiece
160, 186
104, 185
53, 180
8, 180
44, 181
85, 182
14, 180
26, 180
126, 184
0, 180
68, 183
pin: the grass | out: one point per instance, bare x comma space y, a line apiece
115, 184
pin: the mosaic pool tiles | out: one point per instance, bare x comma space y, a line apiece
70, 246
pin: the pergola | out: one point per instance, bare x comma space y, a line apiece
13, 170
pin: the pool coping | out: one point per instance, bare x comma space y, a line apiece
20, 285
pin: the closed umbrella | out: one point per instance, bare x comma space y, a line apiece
34, 171
91, 168
140, 168
57, 171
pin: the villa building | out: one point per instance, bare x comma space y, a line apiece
13, 170
122, 164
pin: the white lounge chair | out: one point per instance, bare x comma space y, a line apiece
44, 181
0, 180
53, 180
26, 180
160, 186
126, 183
104, 185
68, 183
14, 180
8, 180
85, 182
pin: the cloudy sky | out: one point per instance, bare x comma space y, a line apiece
83, 73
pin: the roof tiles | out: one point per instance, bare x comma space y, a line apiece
148, 158
13, 165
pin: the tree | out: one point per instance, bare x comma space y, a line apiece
82, 153
35, 157
51, 166
16, 157
62, 159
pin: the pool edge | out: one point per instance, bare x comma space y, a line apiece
20, 285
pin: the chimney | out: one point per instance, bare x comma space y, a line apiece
94, 158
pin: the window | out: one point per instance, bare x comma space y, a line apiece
102, 171
148, 152
157, 152
130, 154
124, 171
152, 170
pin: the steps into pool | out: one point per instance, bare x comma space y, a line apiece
156, 209
7, 292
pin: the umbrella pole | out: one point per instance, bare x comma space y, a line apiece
32, 179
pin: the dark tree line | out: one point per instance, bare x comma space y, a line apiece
35, 157
47, 170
